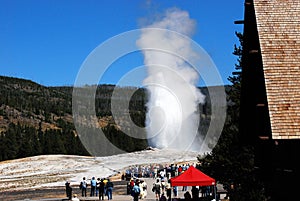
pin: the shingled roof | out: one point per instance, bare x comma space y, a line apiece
278, 25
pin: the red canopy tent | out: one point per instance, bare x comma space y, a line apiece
192, 177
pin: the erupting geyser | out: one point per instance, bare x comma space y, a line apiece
172, 118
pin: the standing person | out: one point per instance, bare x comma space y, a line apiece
176, 170
180, 170
105, 182
109, 189
68, 190
93, 186
156, 189
162, 174
175, 191
136, 191
83, 186
143, 185
155, 172
169, 191
163, 185
195, 192
140, 184
184, 188
101, 190
97, 186
131, 184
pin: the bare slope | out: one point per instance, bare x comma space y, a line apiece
53, 170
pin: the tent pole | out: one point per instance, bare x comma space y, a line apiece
215, 192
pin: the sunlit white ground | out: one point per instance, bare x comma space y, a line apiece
54, 170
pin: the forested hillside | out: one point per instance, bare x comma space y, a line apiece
35, 119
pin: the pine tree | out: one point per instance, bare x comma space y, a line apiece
3, 147
231, 163
11, 141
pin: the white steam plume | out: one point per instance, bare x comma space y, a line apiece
172, 118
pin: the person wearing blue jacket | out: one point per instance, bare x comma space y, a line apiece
135, 192
93, 186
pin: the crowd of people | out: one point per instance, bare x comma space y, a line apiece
162, 187
137, 186
155, 171
99, 188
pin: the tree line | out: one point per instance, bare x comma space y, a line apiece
20, 141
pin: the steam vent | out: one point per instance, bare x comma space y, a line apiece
270, 101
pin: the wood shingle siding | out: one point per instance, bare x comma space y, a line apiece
278, 25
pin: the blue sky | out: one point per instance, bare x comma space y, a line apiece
47, 41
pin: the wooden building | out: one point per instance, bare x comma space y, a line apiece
270, 97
